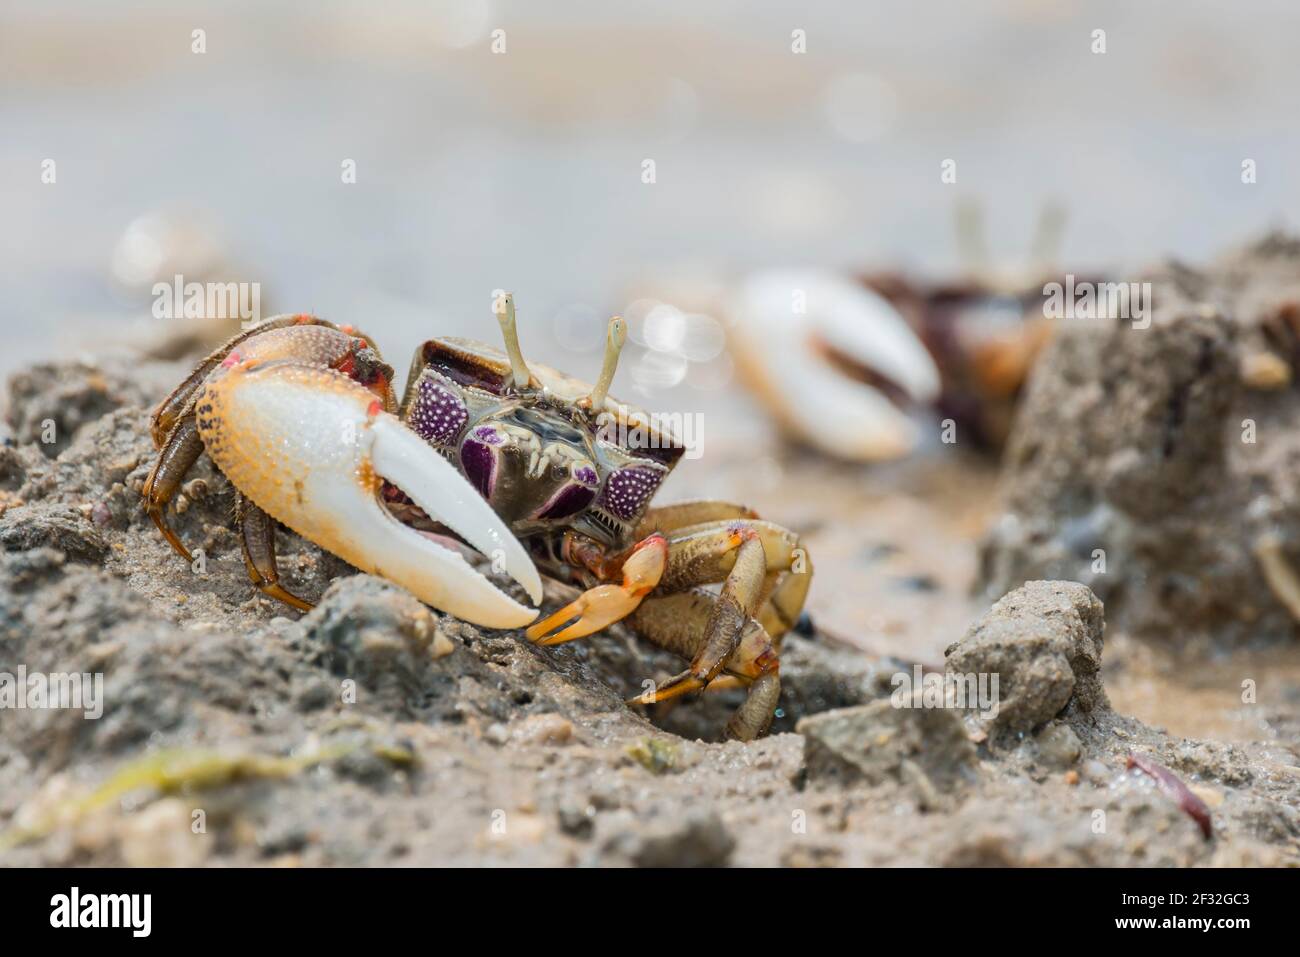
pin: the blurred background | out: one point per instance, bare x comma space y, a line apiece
477, 171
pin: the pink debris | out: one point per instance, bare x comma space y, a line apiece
1172, 786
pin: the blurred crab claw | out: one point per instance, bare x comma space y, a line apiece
832, 361
310, 446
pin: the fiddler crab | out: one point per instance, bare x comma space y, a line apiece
520, 462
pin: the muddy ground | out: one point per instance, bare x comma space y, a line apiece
374, 731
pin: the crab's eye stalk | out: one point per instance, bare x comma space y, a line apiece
505, 310
614, 341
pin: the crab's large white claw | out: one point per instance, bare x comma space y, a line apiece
309, 446
783, 324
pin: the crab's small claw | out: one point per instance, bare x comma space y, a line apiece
309, 446
605, 604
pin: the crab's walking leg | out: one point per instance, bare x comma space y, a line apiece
712, 552
765, 575
257, 536
740, 598
706, 553
755, 713
774, 579
180, 451
787, 594
786, 590
681, 623
669, 518
603, 605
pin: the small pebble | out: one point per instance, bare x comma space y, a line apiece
542, 729
1058, 745
442, 645
577, 820
1265, 371
1096, 772
195, 489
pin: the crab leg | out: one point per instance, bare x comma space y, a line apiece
756, 561
603, 605
180, 451
680, 623
755, 713
257, 536
309, 446
705, 553
669, 518
740, 598
787, 591
765, 572
767, 586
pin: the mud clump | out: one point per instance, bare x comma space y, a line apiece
958, 767
45, 525
375, 633
12, 470
1043, 641
50, 403
878, 744
1057, 745
1156, 464
696, 839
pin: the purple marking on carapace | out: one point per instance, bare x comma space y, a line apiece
480, 465
485, 433
628, 490
586, 475
438, 414
569, 500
